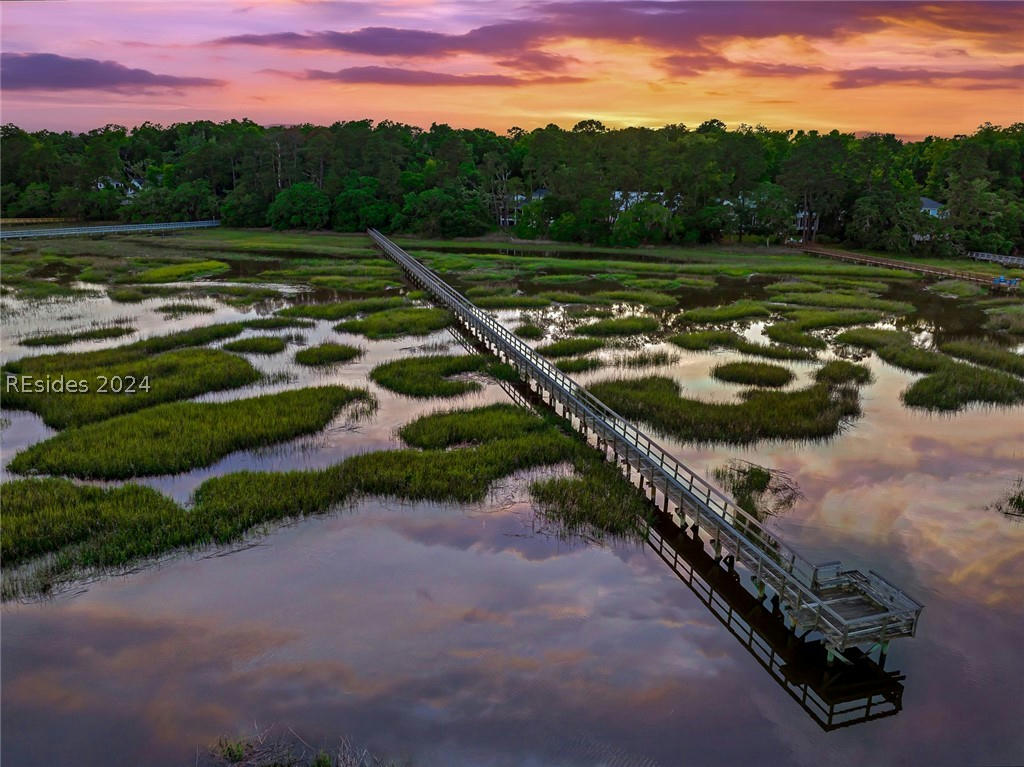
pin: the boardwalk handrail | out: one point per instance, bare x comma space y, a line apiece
795, 577
930, 271
76, 231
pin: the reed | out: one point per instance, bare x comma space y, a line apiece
343, 309
327, 354
393, 323
986, 353
570, 347
753, 374
277, 323
63, 339
738, 310
529, 331
180, 436
579, 364
834, 300
180, 272
701, 340
815, 412
512, 302
836, 372
256, 345
428, 376
620, 326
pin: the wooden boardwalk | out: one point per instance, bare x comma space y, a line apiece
908, 266
846, 608
92, 231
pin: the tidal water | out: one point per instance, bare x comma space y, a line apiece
470, 635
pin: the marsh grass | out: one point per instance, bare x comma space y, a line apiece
570, 347
579, 364
428, 376
702, 340
758, 490
393, 323
172, 375
649, 298
327, 354
180, 272
63, 339
277, 323
815, 412
354, 284
645, 359
836, 372
753, 374
949, 385
180, 436
256, 345
343, 309
1008, 317
134, 295
836, 300
180, 309
986, 353
957, 288
478, 426
620, 326
737, 310
511, 302
529, 331
793, 330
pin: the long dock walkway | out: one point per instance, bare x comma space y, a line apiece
91, 231
848, 608
909, 266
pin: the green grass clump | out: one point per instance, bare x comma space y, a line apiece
277, 323
837, 372
512, 302
327, 354
579, 364
343, 309
955, 385
621, 326
1008, 317
701, 340
62, 339
354, 284
256, 345
529, 331
393, 323
644, 359
986, 353
752, 374
737, 310
570, 347
134, 295
657, 283
470, 427
647, 298
173, 375
957, 288
568, 297
179, 272
104, 526
598, 502
833, 300
896, 348
428, 376
180, 436
815, 412
793, 331
180, 309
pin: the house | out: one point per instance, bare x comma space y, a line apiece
933, 208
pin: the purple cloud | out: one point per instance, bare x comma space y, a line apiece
50, 72
866, 77
398, 76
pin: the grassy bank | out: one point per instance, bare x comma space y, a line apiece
327, 354
393, 323
793, 331
180, 436
753, 374
621, 326
579, 364
570, 347
428, 376
179, 272
737, 310
256, 345
342, 309
816, 412
986, 353
702, 340
170, 376
63, 339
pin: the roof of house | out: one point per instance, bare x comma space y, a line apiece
927, 203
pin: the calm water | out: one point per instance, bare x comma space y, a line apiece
462, 635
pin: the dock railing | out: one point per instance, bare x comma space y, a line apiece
739, 534
88, 231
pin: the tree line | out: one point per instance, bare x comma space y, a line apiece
629, 186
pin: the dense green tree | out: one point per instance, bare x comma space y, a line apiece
300, 206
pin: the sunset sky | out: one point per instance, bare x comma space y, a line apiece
908, 68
